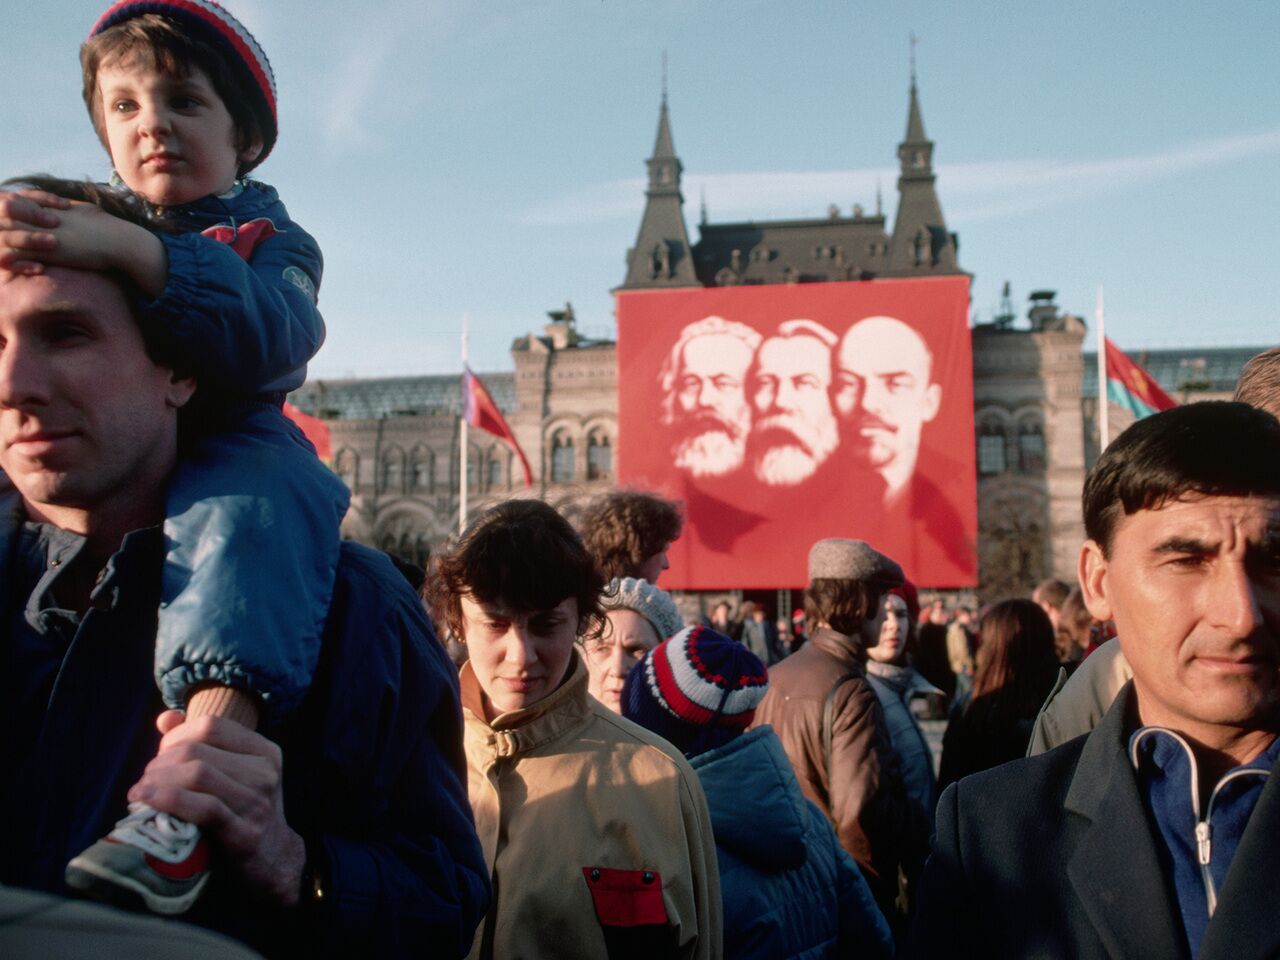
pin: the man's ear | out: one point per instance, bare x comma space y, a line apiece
1094, 584
179, 391
932, 401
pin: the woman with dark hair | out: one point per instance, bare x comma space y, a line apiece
1017, 667
595, 831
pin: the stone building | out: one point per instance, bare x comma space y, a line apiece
396, 441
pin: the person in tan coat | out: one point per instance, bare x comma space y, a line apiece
596, 832
833, 728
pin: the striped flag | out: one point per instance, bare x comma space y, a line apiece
1131, 387
479, 410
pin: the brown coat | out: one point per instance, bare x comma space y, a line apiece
862, 793
566, 786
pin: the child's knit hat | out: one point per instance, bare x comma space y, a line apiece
698, 690
209, 22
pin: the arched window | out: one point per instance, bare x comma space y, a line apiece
345, 467
562, 458
599, 457
494, 478
1030, 447
991, 449
475, 463
423, 478
391, 473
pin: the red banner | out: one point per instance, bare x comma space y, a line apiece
783, 414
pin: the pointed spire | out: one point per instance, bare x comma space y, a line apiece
702, 205
915, 122
662, 256
663, 147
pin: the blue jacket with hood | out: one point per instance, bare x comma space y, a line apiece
789, 889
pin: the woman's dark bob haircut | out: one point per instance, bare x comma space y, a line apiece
521, 554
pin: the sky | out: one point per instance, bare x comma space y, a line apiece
486, 160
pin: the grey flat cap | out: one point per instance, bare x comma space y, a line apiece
837, 559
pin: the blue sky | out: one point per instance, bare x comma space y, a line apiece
486, 159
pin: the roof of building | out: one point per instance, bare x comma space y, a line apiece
379, 397
1184, 370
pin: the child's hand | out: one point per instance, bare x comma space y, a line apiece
84, 238
20, 210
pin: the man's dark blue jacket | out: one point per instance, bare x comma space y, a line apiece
373, 765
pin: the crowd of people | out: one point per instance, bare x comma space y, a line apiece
214, 709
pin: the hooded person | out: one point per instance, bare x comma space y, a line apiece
788, 888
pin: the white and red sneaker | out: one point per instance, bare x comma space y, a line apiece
151, 855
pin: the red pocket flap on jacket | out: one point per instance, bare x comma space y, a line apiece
626, 898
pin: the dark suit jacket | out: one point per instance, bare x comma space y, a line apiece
1055, 856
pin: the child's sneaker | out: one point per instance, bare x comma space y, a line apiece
150, 854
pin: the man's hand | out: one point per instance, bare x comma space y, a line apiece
225, 779
20, 210
81, 236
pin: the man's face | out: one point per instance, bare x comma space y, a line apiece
795, 430
883, 394
885, 636
87, 421
1194, 590
710, 408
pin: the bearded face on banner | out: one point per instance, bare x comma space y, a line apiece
795, 428
704, 396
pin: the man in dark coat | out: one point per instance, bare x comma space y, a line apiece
1157, 834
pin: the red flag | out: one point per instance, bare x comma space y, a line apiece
1129, 386
479, 410
314, 429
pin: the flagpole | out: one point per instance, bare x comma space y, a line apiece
1104, 426
462, 441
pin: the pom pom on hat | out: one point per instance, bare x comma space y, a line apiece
699, 689
209, 22
652, 603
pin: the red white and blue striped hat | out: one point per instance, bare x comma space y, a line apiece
211, 23
699, 689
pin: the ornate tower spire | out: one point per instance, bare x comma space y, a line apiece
921, 244
661, 256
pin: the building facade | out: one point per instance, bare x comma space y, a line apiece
396, 441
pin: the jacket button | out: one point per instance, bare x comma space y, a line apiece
595, 875
647, 877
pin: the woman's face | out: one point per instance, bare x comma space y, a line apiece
886, 635
518, 658
627, 638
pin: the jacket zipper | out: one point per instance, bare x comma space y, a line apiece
1203, 830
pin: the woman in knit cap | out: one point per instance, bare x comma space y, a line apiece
596, 832
789, 889
640, 616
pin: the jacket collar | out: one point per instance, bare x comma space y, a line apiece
844, 648
520, 731
1117, 856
